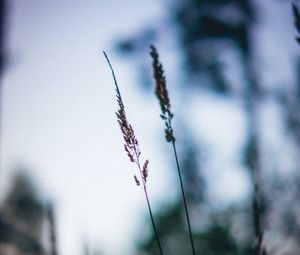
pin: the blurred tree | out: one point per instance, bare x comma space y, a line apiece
21, 219
214, 239
287, 222
88, 250
3, 11
52, 229
206, 32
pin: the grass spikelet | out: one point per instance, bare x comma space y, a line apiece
162, 95
131, 147
145, 170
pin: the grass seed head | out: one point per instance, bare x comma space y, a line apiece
161, 93
145, 170
131, 145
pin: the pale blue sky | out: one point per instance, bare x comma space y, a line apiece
59, 121
58, 115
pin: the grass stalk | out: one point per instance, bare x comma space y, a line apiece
166, 114
184, 198
258, 248
131, 147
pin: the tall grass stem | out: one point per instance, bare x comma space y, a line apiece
131, 147
162, 95
183, 198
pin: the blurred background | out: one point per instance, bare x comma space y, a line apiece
232, 68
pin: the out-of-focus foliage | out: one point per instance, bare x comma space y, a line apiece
206, 31
21, 219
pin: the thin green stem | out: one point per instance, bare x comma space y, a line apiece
148, 203
183, 198
152, 221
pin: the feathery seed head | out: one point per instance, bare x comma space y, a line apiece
160, 80
161, 93
145, 170
131, 144
137, 181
